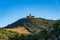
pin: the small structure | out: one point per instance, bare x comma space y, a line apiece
30, 16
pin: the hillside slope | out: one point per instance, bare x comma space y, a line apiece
32, 24
19, 30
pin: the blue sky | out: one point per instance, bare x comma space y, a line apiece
12, 10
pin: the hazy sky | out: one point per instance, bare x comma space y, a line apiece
12, 10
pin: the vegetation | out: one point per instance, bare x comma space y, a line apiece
40, 29
10, 35
32, 24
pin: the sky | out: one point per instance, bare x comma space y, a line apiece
12, 10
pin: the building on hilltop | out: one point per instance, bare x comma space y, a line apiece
30, 16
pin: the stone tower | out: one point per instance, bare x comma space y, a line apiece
30, 16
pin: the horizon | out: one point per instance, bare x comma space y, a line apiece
12, 10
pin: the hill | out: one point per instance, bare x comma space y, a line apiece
32, 24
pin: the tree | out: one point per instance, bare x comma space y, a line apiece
56, 28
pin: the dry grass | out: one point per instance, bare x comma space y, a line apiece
19, 30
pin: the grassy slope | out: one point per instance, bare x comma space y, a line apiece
19, 30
